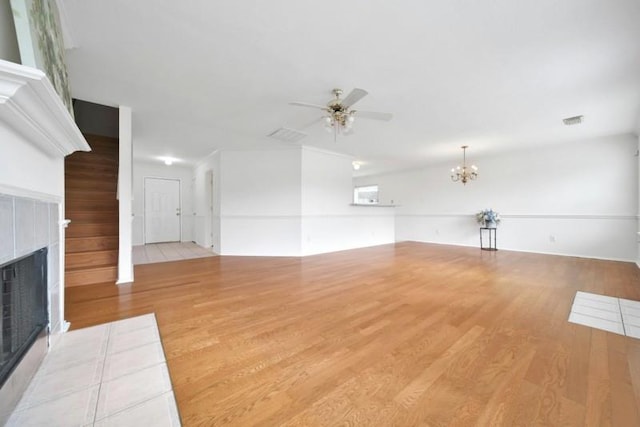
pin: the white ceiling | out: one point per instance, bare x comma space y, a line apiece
496, 75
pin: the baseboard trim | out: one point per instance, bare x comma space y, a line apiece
529, 251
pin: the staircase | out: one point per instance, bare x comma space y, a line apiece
90, 203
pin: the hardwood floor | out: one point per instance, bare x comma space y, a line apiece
405, 334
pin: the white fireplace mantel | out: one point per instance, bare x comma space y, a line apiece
30, 106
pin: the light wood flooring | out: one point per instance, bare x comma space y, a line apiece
164, 252
395, 335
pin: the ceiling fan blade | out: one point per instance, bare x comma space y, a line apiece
374, 115
354, 96
306, 104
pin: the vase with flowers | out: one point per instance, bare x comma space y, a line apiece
488, 218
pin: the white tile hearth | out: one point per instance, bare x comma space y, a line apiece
157, 412
617, 315
108, 375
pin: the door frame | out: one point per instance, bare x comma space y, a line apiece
144, 205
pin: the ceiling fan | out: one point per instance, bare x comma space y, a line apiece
340, 116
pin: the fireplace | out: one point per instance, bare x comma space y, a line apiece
30, 291
23, 305
36, 133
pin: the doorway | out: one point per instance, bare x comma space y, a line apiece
162, 215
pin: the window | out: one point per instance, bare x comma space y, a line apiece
367, 195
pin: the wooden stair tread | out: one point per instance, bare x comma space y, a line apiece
95, 267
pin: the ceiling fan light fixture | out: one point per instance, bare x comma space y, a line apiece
340, 117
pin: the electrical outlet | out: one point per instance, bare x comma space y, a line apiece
552, 238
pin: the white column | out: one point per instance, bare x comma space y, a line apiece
125, 196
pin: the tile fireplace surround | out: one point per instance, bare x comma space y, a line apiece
36, 133
25, 226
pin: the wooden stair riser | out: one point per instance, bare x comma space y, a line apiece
88, 168
74, 185
88, 178
90, 194
92, 229
90, 217
91, 259
91, 276
85, 244
90, 205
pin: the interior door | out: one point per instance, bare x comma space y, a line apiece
161, 210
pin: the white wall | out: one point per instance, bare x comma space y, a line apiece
8, 40
37, 179
572, 199
206, 202
288, 202
329, 222
260, 194
40, 174
142, 170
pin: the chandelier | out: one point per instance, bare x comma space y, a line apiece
339, 119
463, 173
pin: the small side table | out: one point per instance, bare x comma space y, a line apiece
492, 244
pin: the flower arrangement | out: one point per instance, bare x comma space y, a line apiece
488, 217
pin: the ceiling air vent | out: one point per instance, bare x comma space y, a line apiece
576, 120
287, 135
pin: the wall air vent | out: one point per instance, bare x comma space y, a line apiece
576, 120
287, 135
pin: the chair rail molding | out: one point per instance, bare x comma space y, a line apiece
30, 106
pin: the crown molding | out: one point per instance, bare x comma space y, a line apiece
31, 107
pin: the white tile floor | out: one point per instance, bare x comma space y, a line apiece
163, 252
621, 316
108, 375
